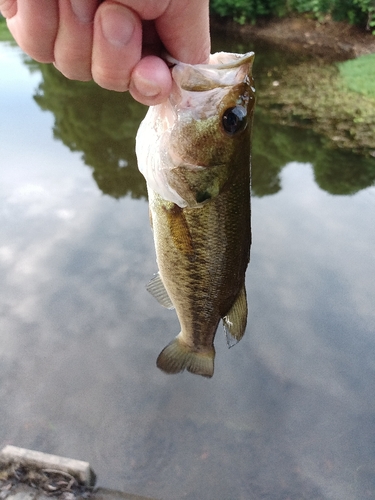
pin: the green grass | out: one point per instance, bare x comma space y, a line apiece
358, 75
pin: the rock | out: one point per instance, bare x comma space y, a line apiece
80, 470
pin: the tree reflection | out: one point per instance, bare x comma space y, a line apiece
336, 171
103, 125
99, 123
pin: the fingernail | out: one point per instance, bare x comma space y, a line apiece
84, 10
146, 87
117, 26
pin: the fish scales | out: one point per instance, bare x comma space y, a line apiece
206, 286
198, 178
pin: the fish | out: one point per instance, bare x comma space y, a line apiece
194, 152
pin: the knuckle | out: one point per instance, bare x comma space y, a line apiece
110, 81
8, 8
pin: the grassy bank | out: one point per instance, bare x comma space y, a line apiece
358, 75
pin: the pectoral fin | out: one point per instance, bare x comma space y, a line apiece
179, 230
235, 320
157, 289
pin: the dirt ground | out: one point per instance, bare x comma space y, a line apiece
328, 39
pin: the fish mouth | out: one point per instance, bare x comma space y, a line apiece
193, 167
223, 70
220, 60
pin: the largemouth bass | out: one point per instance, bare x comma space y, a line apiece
194, 152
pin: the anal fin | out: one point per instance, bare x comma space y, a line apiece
235, 320
157, 289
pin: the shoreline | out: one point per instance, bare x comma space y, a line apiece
330, 40
310, 93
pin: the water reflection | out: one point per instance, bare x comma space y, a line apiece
335, 170
102, 125
290, 412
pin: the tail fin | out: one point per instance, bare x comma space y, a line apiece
178, 356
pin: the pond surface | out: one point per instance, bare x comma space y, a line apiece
290, 411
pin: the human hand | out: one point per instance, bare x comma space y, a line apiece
116, 43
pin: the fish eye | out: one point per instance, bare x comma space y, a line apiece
234, 120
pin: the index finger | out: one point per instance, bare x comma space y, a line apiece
182, 26
184, 30
33, 25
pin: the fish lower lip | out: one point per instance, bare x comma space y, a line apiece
191, 166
